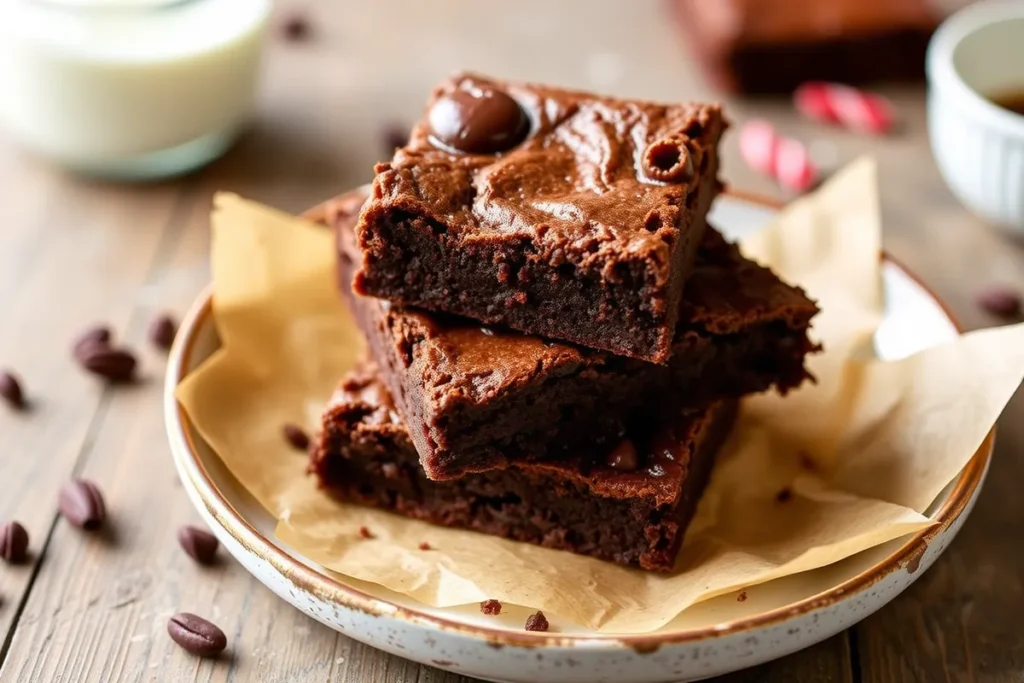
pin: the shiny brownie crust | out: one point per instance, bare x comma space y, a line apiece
364, 455
565, 235
477, 398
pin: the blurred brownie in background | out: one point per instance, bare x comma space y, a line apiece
771, 46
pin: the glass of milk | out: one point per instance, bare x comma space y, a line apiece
129, 89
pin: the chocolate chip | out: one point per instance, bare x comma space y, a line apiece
10, 390
669, 160
364, 532
296, 28
1000, 300
97, 335
424, 546
196, 635
117, 366
491, 608
162, 331
200, 544
537, 622
624, 457
295, 435
81, 503
13, 542
742, 597
783, 495
478, 121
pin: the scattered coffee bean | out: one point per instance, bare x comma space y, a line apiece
783, 495
13, 542
196, 635
296, 436
478, 121
624, 457
1001, 301
10, 390
117, 366
424, 546
81, 503
393, 136
364, 532
296, 28
97, 335
162, 332
537, 622
491, 608
200, 544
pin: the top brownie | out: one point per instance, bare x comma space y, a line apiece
552, 212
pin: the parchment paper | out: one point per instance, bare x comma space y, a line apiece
861, 455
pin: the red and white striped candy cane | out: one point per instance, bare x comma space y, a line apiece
784, 159
846, 106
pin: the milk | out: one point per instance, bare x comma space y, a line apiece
129, 88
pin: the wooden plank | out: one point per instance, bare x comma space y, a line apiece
827, 662
71, 253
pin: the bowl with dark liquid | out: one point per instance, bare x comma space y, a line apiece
976, 108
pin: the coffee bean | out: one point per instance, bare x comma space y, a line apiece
296, 437
394, 137
81, 503
200, 544
624, 457
196, 635
162, 332
117, 366
537, 622
1001, 301
10, 390
97, 335
13, 542
480, 121
296, 28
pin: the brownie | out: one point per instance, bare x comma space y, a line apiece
761, 46
631, 506
476, 398
552, 212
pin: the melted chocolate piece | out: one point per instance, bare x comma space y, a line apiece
478, 121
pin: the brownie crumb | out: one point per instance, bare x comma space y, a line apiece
424, 546
364, 532
783, 495
742, 597
537, 622
1000, 300
491, 608
296, 436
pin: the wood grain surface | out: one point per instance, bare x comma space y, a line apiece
73, 251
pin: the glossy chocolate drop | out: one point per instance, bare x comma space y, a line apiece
478, 121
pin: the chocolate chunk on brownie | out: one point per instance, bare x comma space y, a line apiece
754, 46
476, 398
364, 455
548, 211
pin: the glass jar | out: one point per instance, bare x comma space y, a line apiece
129, 89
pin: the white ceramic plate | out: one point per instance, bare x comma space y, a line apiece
712, 638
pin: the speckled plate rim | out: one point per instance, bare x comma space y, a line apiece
327, 588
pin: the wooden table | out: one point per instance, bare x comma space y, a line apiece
91, 608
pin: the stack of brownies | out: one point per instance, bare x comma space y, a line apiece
557, 338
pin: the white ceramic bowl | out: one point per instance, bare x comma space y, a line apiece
979, 146
711, 638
